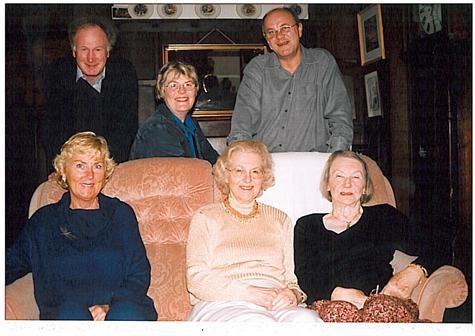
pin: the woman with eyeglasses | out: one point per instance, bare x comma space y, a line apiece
239, 252
171, 131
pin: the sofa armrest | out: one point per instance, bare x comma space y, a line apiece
445, 288
20, 301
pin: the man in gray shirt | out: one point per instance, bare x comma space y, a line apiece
294, 99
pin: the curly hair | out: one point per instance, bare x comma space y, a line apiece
326, 175
83, 143
246, 146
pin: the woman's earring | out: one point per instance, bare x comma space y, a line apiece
63, 178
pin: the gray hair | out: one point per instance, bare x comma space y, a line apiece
86, 22
295, 16
326, 175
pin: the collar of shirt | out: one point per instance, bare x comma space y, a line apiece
190, 130
97, 85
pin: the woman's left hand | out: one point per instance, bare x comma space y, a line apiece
402, 284
285, 298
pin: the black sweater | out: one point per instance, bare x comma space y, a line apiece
76, 106
358, 257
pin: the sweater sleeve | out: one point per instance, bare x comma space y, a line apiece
204, 282
56, 124
121, 100
136, 265
18, 256
288, 252
306, 248
411, 238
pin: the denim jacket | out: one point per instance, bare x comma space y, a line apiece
160, 136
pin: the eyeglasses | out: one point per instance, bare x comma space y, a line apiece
174, 86
256, 174
285, 29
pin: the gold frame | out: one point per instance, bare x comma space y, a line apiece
371, 18
222, 48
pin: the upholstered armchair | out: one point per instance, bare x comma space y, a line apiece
297, 193
165, 192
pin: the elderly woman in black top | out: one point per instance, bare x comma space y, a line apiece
346, 254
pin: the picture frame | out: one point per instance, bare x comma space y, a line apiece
371, 35
373, 96
220, 70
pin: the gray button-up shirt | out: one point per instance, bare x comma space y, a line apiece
306, 111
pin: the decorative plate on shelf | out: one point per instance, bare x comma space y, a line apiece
248, 11
140, 11
169, 11
207, 11
301, 11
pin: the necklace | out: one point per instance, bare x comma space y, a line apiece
239, 216
349, 222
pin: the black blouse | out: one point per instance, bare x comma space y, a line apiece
355, 258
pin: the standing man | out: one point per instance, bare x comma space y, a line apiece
293, 99
90, 91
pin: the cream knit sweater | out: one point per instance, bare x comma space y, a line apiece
222, 252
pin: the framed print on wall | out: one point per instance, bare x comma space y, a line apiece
373, 96
371, 37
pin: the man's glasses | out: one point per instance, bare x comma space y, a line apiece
285, 29
255, 174
174, 86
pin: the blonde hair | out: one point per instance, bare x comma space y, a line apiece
83, 143
246, 146
326, 175
178, 68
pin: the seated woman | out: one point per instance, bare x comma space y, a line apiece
239, 252
85, 252
345, 255
171, 131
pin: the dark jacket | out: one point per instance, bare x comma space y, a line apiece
75, 106
160, 136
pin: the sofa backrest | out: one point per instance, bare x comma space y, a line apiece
164, 193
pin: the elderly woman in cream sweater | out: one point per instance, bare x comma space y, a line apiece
239, 252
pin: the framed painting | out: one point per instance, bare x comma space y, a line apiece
373, 96
371, 36
220, 69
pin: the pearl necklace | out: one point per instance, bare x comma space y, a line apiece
239, 216
353, 219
